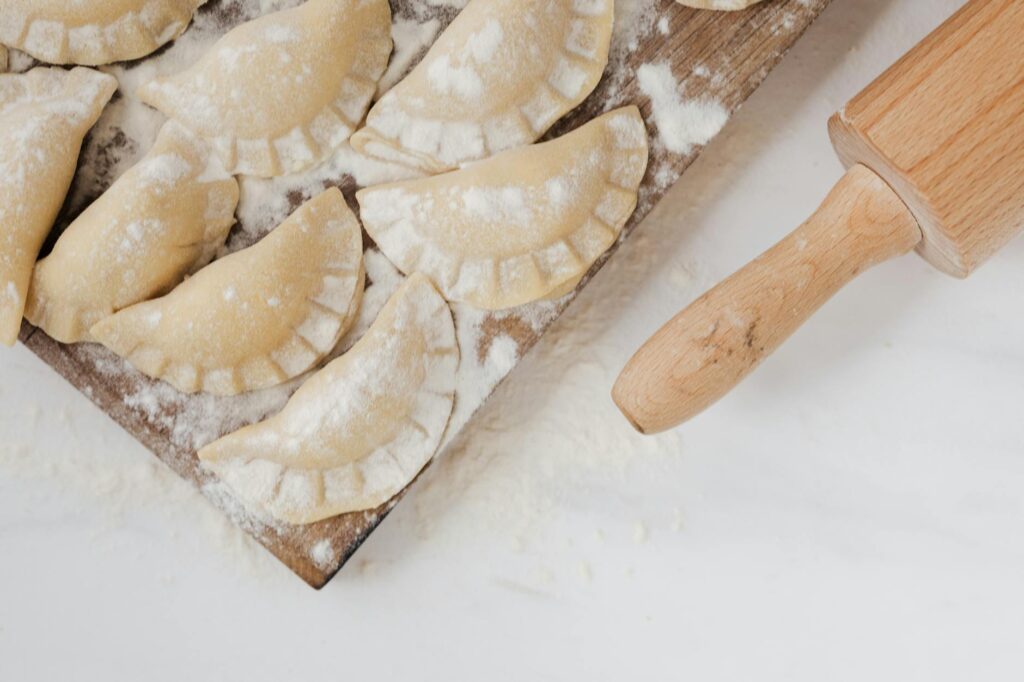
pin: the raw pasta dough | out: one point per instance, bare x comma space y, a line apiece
44, 114
279, 93
92, 31
522, 225
719, 4
257, 317
358, 431
497, 78
3, 58
164, 218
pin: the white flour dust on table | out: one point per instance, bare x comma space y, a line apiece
127, 130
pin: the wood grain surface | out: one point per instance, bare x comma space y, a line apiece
720, 56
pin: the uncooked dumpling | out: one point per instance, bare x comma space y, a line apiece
92, 32
44, 114
277, 94
357, 432
519, 226
164, 218
497, 78
257, 317
719, 4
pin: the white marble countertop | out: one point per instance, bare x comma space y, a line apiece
854, 511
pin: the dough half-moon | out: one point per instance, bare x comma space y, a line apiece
163, 219
358, 431
92, 32
497, 78
277, 94
521, 225
257, 317
44, 115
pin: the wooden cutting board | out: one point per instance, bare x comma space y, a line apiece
715, 56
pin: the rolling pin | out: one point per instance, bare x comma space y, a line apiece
934, 151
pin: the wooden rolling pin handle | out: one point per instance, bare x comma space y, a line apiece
711, 346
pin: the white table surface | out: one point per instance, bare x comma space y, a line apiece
854, 511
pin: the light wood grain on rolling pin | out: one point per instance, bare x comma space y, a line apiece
935, 151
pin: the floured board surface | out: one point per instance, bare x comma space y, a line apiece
702, 66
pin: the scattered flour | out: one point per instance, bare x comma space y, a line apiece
634, 21
74, 465
546, 441
412, 37
682, 124
322, 554
127, 130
